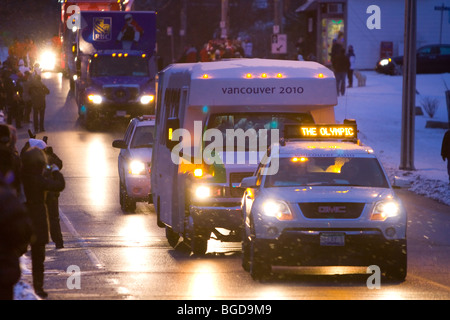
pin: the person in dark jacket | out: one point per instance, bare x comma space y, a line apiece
38, 178
38, 91
52, 198
445, 151
341, 63
15, 228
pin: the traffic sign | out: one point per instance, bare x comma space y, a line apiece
279, 43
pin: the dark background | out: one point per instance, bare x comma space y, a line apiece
249, 19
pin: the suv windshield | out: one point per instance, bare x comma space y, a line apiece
143, 137
249, 123
135, 66
328, 171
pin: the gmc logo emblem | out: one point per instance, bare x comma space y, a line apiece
330, 209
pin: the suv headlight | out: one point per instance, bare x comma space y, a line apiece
385, 209
146, 99
136, 167
95, 98
277, 209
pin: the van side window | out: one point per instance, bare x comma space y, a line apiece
171, 106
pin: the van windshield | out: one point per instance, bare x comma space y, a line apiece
241, 128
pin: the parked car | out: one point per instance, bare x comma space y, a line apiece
433, 58
134, 162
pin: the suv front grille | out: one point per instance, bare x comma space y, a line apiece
331, 210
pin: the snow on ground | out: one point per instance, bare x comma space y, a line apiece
377, 108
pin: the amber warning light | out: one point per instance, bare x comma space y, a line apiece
321, 131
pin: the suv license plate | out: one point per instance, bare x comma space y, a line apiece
121, 113
332, 239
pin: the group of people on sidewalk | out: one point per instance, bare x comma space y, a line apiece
30, 183
343, 63
22, 93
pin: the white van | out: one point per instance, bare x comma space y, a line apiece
195, 174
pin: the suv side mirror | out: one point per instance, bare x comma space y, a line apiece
119, 144
249, 182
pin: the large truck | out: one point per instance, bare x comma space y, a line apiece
115, 65
213, 121
67, 28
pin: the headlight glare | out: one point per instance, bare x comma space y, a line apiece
147, 99
384, 62
136, 167
385, 209
95, 98
277, 209
202, 192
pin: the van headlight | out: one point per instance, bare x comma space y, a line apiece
136, 167
202, 192
385, 209
146, 99
95, 98
277, 209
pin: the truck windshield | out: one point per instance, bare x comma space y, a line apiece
133, 66
328, 171
241, 127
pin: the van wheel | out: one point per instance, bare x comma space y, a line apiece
172, 237
199, 243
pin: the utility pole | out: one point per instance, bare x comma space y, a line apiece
409, 87
442, 8
225, 21
278, 19
183, 24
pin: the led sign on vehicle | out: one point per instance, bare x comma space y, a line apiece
328, 131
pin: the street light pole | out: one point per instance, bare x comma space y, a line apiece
409, 87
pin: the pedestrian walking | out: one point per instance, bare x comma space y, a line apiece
38, 91
38, 178
341, 64
52, 202
351, 57
26, 97
445, 151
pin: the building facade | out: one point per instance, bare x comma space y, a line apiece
375, 28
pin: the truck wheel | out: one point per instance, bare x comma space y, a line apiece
172, 237
90, 120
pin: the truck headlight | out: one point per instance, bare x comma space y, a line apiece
147, 99
47, 60
136, 167
277, 209
95, 98
202, 192
385, 209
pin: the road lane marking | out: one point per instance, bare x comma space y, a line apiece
91, 255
